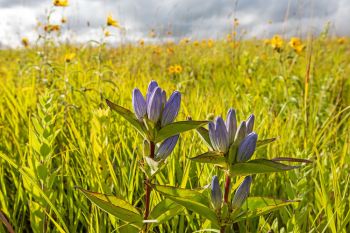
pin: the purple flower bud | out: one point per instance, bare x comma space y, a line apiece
211, 129
151, 87
247, 147
171, 108
139, 104
231, 125
163, 98
166, 147
250, 123
218, 135
221, 135
241, 132
242, 193
216, 194
154, 107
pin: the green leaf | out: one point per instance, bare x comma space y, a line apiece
44, 149
190, 199
213, 157
115, 206
256, 206
295, 160
176, 128
165, 210
129, 116
264, 142
42, 172
204, 133
259, 166
180, 192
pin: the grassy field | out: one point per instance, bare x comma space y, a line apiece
57, 133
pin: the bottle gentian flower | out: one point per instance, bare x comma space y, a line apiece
139, 104
247, 147
224, 134
166, 148
216, 194
155, 107
242, 193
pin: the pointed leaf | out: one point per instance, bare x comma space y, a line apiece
129, 116
198, 208
264, 142
295, 160
180, 192
190, 199
115, 206
213, 157
256, 206
204, 134
176, 128
259, 166
165, 210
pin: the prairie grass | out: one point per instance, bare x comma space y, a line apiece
56, 131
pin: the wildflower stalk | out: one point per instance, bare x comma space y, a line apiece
148, 188
227, 187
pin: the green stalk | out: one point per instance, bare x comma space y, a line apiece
148, 188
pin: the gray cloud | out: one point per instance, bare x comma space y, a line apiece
192, 18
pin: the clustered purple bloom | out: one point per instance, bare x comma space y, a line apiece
223, 134
157, 109
240, 196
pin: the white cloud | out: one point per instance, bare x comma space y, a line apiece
192, 18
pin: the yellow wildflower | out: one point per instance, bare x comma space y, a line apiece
157, 50
178, 69
112, 22
196, 43
210, 43
170, 50
185, 40
25, 42
64, 20
52, 28
175, 69
61, 3
276, 42
69, 57
141, 42
341, 40
107, 33
296, 44
171, 69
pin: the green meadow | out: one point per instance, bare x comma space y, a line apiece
57, 132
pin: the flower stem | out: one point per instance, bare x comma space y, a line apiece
226, 193
227, 187
147, 186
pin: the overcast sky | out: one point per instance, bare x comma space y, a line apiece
196, 19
